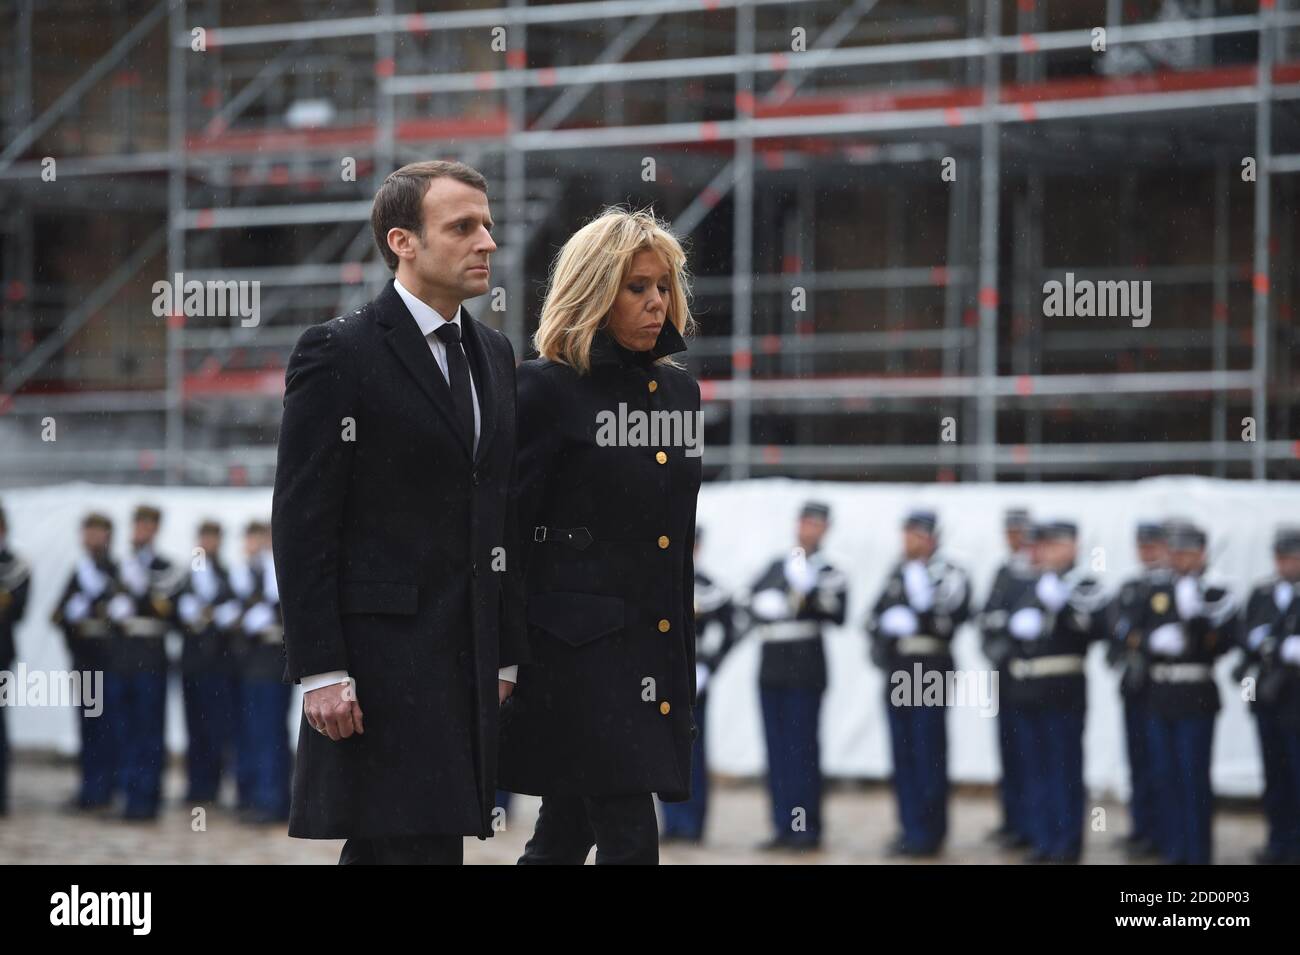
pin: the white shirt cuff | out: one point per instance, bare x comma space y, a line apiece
509, 674
318, 680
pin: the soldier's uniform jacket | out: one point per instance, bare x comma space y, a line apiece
606, 530
1052, 625
1125, 649
1013, 579
1185, 624
15, 581
258, 641
1271, 617
918, 611
209, 611
82, 612
715, 626
791, 630
144, 610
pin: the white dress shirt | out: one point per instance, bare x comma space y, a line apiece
429, 321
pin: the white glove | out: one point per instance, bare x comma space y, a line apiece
1257, 636
1290, 649
919, 586
899, 621
1283, 594
701, 678
189, 609
226, 615
770, 604
258, 618
135, 576
1187, 596
77, 607
1168, 639
121, 607
1052, 591
799, 573
1026, 623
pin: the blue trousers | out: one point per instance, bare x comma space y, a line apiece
1011, 787
210, 726
100, 743
144, 709
262, 751
1280, 750
686, 819
919, 739
1180, 762
1053, 795
1142, 803
794, 777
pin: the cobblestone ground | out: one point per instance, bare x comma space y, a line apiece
859, 821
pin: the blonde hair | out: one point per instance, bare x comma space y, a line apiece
587, 274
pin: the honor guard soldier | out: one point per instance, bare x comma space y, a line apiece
715, 633
262, 748
15, 581
1186, 624
144, 610
793, 601
208, 611
912, 624
82, 615
1053, 624
1014, 578
1125, 652
1270, 637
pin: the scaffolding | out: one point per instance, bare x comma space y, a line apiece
951, 373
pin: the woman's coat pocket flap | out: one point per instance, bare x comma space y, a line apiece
576, 618
378, 596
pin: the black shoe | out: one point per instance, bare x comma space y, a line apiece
139, 815
775, 844
1140, 848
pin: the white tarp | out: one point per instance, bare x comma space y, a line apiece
748, 523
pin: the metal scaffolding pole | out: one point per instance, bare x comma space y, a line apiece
516, 188
990, 172
742, 250
174, 439
1219, 308
1263, 146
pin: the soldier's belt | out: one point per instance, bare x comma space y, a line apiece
1059, 665
270, 635
1181, 672
788, 630
144, 627
921, 645
93, 628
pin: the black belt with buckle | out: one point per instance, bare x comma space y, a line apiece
577, 537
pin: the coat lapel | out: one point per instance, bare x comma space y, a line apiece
412, 350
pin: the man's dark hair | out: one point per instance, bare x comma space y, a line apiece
398, 203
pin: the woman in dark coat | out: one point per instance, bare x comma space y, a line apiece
609, 470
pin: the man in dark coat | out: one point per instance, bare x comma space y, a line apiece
389, 531
15, 582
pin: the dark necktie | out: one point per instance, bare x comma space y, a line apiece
458, 378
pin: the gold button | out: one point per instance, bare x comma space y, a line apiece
663, 626
654, 385
664, 707
663, 543
662, 457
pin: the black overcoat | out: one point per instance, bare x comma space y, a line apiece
605, 706
390, 546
